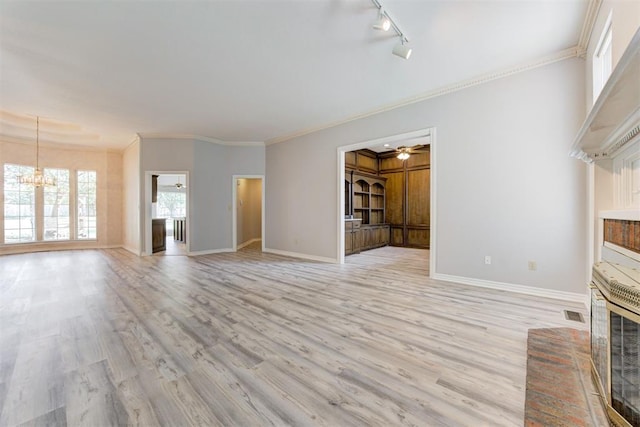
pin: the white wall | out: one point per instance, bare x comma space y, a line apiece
506, 186
211, 168
131, 197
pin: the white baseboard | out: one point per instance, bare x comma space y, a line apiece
248, 242
302, 256
529, 290
60, 245
210, 251
132, 250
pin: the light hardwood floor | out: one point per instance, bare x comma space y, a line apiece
99, 338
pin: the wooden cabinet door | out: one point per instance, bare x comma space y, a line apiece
158, 235
357, 240
348, 241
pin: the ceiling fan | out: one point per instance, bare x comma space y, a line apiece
405, 152
179, 184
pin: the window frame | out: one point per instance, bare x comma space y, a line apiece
34, 209
80, 217
602, 60
68, 204
38, 208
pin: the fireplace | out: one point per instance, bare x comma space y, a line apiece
615, 340
609, 139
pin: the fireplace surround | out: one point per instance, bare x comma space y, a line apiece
609, 140
615, 340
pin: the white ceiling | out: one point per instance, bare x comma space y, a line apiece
249, 70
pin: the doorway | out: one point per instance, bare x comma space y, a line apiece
248, 212
166, 213
364, 211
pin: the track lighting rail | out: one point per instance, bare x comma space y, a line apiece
396, 28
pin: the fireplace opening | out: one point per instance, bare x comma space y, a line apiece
615, 341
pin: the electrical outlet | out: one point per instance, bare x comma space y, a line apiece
487, 259
533, 266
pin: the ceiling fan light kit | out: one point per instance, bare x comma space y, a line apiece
179, 185
403, 153
384, 23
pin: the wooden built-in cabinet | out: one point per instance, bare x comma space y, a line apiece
381, 189
368, 199
154, 188
158, 235
365, 226
391, 197
352, 236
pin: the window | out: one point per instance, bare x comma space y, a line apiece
66, 211
172, 204
19, 206
86, 199
602, 60
56, 206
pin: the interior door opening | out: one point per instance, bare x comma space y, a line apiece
248, 215
387, 194
167, 213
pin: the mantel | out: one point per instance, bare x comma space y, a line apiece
623, 214
614, 120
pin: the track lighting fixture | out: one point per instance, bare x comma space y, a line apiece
384, 23
402, 50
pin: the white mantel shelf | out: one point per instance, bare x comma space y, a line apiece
614, 120
626, 214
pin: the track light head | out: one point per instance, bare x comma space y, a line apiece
383, 22
402, 50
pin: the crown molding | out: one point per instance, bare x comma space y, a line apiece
444, 90
587, 26
192, 137
179, 136
244, 143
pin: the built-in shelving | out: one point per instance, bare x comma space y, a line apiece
365, 226
368, 200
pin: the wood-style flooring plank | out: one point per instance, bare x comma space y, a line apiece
102, 337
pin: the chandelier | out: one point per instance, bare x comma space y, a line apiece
37, 179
